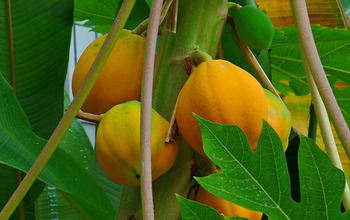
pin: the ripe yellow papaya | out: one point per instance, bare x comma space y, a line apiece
225, 207
279, 117
120, 78
118, 144
221, 92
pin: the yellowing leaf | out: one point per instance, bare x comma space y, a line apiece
323, 12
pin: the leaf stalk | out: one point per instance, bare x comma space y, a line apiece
326, 130
146, 110
72, 111
311, 57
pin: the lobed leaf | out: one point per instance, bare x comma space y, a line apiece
286, 62
191, 210
260, 180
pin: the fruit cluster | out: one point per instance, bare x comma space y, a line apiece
216, 90
116, 95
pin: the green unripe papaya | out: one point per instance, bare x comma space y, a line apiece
253, 27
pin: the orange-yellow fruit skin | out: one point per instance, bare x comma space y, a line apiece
118, 144
225, 207
279, 117
223, 93
120, 78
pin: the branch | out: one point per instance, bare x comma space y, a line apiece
311, 57
89, 117
146, 110
72, 111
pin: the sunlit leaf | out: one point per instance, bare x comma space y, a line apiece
323, 12
286, 61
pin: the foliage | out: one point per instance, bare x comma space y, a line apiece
260, 181
194, 210
286, 61
73, 178
100, 14
41, 37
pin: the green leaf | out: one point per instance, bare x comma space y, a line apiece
51, 203
41, 36
194, 210
75, 142
100, 14
260, 180
149, 3
343, 99
332, 45
19, 147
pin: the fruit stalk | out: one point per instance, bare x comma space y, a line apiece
199, 26
146, 110
72, 111
311, 57
253, 62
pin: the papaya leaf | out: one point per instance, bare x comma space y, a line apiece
193, 210
100, 14
149, 3
343, 99
260, 180
19, 148
333, 48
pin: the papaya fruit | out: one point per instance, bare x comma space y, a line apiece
279, 117
225, 207
253, 27
120, 78
118, 144
221, 92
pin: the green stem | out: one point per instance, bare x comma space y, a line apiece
254, 63
311, 57
142, 27
199, 56
199, 26
312, 123
72, 111
233, 5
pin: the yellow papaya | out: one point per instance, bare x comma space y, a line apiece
118, 144
221, 92
120, 78
225, 207
279, 117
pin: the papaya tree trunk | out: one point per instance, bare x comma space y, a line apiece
199, 27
